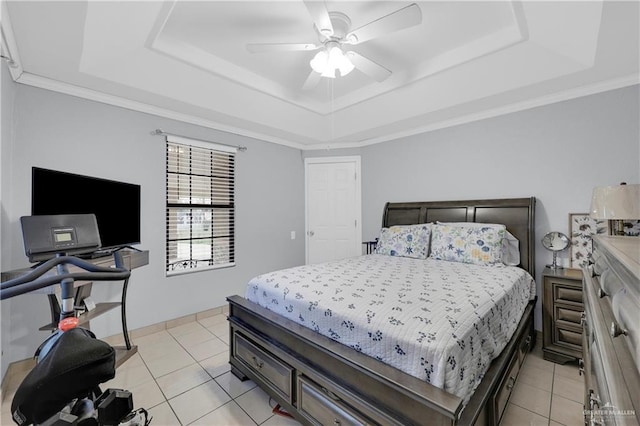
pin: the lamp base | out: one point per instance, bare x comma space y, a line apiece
616, 227
554, 265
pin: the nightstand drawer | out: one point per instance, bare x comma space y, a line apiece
568, 314
273, 371
566, 294
569, 338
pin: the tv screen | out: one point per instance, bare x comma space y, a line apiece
115, 204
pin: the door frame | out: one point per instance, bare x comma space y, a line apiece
358, 182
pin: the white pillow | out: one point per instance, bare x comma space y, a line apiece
510, 244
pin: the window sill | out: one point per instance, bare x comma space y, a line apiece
201, 269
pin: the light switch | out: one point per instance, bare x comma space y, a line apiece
293, 235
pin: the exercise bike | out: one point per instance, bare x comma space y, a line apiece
63, 387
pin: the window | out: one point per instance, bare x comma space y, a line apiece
200, 206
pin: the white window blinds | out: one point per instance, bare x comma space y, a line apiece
200, 206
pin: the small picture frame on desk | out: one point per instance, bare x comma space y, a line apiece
582, 228
631, 228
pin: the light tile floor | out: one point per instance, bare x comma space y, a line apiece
181, 376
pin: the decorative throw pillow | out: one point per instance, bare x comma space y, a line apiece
405, 241
510, 244
480, 245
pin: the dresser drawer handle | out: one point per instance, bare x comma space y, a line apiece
257, 362
336, 422
331, 394
615, 330
512, 382
594, 401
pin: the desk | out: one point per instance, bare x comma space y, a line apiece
132, 259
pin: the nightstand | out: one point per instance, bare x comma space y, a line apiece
562, 310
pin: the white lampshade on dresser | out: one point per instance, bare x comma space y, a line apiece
616, 203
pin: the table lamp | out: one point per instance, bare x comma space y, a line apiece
616, 203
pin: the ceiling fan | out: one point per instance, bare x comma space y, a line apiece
334, 31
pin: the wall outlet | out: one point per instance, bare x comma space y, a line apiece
293, 235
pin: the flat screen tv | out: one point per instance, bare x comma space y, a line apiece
115, 204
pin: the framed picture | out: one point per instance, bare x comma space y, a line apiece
582, 228
631, 228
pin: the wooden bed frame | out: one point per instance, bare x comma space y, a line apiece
320, 381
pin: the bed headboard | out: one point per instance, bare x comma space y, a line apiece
517, 214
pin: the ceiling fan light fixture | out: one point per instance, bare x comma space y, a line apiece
337, 59
329, 73
326, 62
319, 62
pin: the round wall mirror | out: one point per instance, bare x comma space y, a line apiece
555, 242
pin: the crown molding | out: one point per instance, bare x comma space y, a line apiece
587, 90
93, 95
81, 92
9, 46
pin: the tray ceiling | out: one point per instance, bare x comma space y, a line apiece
188, 60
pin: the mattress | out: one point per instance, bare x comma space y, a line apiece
443, 322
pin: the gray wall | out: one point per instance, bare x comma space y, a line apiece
6, 143
61, 132
557, 153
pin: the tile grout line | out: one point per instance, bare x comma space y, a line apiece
158, 385
553, 382
212, 378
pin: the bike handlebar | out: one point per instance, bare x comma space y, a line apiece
33, 280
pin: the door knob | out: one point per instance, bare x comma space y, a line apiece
310, 233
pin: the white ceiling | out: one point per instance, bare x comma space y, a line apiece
188, 61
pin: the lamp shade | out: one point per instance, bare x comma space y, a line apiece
616, 202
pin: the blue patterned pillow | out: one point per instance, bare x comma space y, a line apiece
405, 241
480, 245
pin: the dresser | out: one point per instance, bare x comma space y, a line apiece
611, 332
561, 312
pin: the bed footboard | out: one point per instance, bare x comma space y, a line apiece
320, 381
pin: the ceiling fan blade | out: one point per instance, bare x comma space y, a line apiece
400, 19
280, 47
311, 81
368, 67
320, 15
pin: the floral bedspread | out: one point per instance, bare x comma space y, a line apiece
440, 321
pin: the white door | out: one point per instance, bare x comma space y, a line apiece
332, 208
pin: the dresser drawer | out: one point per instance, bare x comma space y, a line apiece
273, 371
323, 408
